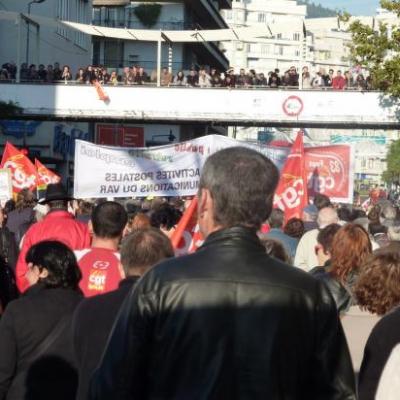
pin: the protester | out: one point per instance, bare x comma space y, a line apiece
165, 217
323, 250
100, 263
378, 292
227, 321
275, 221
58, 224
275, 249
20, 219
94, 317
35, 342
305, 253
349, 250
310, 215
294, 228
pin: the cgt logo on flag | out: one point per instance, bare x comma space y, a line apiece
23, 172
291, 193
45, 176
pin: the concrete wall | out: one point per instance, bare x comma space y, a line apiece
240, 106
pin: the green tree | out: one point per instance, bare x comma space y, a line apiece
378, 49
392, 172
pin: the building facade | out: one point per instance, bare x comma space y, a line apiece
178, 15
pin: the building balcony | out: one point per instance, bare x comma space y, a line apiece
176, 105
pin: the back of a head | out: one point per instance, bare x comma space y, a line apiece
276, 218
109, 220
350, 247
142, 249
326, 235
242, 183
275, 249
327, 216
165, 216
378, 286
294, 228
60, 262
25, 199
321, 201
344, 214
388, 212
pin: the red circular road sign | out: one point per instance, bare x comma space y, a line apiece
293, 106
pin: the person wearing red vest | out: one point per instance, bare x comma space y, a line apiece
100, 264
58, 224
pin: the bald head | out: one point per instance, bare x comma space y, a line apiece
327, 216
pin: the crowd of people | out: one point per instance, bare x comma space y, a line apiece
257, 312
194, 77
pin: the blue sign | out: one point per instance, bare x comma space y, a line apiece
19, 129
64, 143
336, 139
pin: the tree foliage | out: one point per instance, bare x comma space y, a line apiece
316, 10
148, 13
378, 50
392, 172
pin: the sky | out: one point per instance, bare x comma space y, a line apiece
354, 7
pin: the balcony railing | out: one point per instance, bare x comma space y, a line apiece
163, 25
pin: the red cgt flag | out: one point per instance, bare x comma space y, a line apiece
291, 194
44, 175
23, 172
187, 237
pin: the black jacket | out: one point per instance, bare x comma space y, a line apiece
341, 295
383, 338
227, 322
92, 323
26, 323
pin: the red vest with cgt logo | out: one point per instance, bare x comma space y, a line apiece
100, 273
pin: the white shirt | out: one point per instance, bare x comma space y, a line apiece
306, 258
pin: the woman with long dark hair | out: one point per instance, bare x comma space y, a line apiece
35, 343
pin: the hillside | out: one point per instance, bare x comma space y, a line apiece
316, 10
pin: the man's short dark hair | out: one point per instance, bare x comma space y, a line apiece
143, 248
321, 201
109, 220
242, 183
276, 218
325, 237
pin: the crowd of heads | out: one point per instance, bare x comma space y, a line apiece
195, 76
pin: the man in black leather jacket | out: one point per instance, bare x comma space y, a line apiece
228, 322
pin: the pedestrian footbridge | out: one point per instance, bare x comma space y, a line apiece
240, 107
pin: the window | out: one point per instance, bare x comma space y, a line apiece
280, 51
264, 49
239, 46
297, 53
63, 13
296, 36
253, 48
80, 38
261, 17
279, 36
363, 162
370, 163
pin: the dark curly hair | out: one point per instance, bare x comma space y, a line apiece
378, 286
275, 249
60, 262
165, 216
294, 228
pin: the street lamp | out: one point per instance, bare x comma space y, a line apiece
27, 29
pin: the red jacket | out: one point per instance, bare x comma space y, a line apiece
56, 225
338, 82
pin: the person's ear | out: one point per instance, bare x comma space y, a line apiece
44, 273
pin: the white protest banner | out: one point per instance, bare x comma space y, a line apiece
170, 170
5, 185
